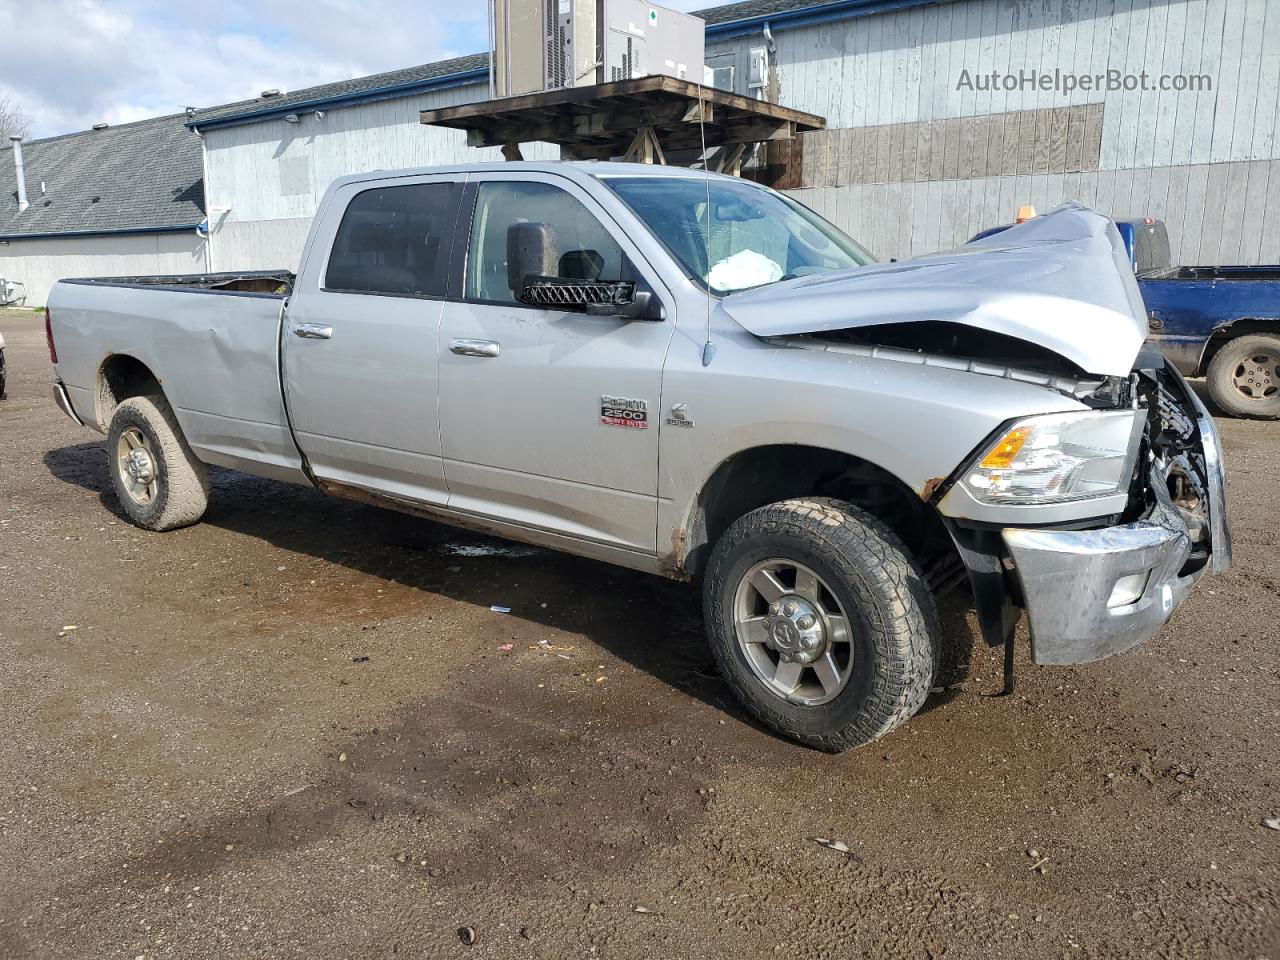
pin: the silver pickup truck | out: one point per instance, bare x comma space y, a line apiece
697, 377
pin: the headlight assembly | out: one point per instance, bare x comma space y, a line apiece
1058, 457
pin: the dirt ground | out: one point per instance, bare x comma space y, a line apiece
295, 729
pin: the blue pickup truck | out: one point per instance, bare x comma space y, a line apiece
1221, 323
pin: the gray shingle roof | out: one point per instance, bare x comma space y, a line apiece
348, 88
134, 176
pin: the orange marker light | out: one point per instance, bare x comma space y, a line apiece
1025, 213
1004, 453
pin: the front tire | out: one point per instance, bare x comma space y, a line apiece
1244, 376
821, 622
157, 479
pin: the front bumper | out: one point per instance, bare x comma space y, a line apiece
1068, 576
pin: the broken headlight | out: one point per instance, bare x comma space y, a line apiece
1059, 457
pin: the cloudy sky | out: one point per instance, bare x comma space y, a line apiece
71, 63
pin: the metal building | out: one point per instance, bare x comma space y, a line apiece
923, 147
105, 202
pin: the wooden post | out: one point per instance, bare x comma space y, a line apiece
645, 147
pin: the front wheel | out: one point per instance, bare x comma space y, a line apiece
158, 480
1244, 376
821, 622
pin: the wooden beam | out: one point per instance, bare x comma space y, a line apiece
656, 88
727, 159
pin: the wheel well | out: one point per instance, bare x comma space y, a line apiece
1238, 328
765, 475
120, 378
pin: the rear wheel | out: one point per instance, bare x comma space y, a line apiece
1244, 376
158, 480
821, 622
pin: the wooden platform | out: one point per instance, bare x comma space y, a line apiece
641, 119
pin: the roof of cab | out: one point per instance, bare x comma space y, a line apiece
573, 169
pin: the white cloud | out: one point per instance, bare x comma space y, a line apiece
80, 62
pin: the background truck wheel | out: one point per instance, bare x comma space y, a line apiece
821, 622
3, 374
158, 480
1244, 376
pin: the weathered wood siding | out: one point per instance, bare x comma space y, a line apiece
1196, 201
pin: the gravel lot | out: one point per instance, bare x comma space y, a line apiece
295, 730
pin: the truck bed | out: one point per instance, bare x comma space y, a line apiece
274, 283
213, 342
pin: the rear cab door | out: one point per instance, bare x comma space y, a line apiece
360, 351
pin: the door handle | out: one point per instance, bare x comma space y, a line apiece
474, 348
312, 331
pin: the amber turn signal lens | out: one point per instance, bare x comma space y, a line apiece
1004, 452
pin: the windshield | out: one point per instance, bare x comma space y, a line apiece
758, 236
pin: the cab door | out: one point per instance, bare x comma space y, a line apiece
550, 417
361, 349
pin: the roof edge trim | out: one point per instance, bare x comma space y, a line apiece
54, 235
809, 15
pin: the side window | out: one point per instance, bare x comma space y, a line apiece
583, 248
394, 240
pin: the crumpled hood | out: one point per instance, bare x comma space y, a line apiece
1062, 281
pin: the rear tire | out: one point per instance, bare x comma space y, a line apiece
820, 591
1244, 376
157, 479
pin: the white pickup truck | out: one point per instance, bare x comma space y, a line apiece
694, 376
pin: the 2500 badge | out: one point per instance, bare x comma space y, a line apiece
624, 412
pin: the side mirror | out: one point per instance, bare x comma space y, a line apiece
643, 305
596, 298
531, 252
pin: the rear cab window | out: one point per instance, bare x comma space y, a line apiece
395, 241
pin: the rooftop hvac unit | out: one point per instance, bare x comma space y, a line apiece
551, 44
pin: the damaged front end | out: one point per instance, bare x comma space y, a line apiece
1103, 587
1095, 520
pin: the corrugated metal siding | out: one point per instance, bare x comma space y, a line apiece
39, 264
